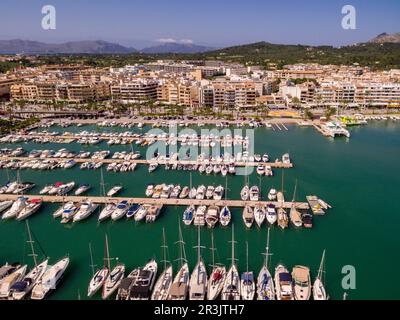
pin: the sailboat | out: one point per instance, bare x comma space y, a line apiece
247, 285
163, 284
109, 207
225, 215
98, 277
21, 288
114, 277
231, 288
265, 282
259, 215
180, 285
217, 277
295, 216
319, 292
248, 216
198, 280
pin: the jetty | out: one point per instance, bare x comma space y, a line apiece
160, 201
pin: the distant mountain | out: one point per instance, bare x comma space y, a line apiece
34, 47
386, 38
174, 47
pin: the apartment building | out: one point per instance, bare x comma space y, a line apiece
137, 90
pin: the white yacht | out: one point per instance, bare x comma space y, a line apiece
265, 282
120, 211
272, 195
231, 288
247, 283
141, 213
21, 288
4, 205
248, 216
31, 207
16, 208
245, 193
7, 282
82, 189
259, 215
200, 216
97, 281
198, 279
271, 214
212, 216
283, 283
114, 190
319, 292
302, 282
113, 281
254, 193
85, 210
58, 213
50, 279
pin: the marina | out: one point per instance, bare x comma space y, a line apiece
292, 248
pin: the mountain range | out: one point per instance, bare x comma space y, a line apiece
18, 46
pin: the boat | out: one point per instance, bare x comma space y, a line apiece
193, 193
141, 213
97, 281
7, 269
31, 207
302, 282
180, 286
254, 193
68, 214
133, 209
201, 192
210, 192
153, 167
231, 288
272, 195
283, 220
16, 208
225, 216
114, 277
259, 215
143, 283
218, 193
247, 284
114, 190
106, 212
217, 277
245, 193
58, 213
200, 216
184, 193
198, 279
265, 283
307, 219
260, 170
50, 279
153, 212
286, 158
54, 189
188, 215
82, 189
65, 188
86, 208
212, 216
149, 190
283, 283
319, 292
21, 288
45, 189
4, 205
7, 282
163, 284
248, 216
271, 214
120, 210
295, 215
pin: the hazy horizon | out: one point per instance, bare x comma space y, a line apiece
213, 24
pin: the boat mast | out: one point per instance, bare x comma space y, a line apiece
107, 258
182, 252
212, 250
91, 258
247, 257
31, 244
233, 245
294, 195
321, 267
164, 247
267, 254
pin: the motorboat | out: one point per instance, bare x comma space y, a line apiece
143, 283
272, 195
302, 282
133, 209
283, 220
50, 279
248, 216
283, 283
188, 215
200, 216
16, 208
271, 214
114, 190
68, 214
120, 211
113, 280
86, 208
254, 193
212, 216
106, 212
245, 193
82, 189
141, 213
31, 207
7, 282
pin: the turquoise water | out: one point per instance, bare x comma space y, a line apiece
359, 177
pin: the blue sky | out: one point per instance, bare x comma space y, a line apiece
215, 23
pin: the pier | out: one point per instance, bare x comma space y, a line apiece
278, 164
164, 202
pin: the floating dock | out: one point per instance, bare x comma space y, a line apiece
160, 201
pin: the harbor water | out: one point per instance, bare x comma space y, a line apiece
359, 177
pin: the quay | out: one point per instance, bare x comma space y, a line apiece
278, 164
160, 201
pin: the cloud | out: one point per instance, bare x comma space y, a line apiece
171, 40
